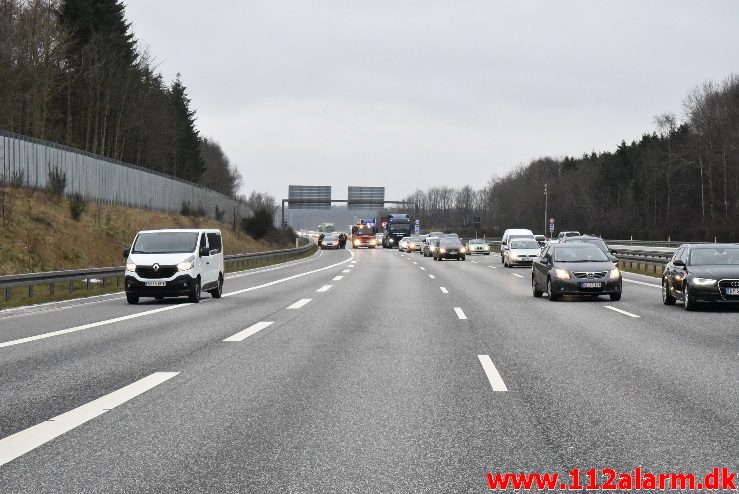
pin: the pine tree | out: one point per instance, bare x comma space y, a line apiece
187, 162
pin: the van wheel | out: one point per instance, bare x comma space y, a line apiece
132, 299
195, 293
218, 291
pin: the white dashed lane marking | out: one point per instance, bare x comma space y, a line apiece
614, 309
300, 303
432, 276
496, 382
517, 275
338, 278
242, 335
29, 439
443, 290
460, 313
324, 288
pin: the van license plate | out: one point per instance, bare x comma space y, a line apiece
156, 283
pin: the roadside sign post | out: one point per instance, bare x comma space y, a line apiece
418, 227
551, 228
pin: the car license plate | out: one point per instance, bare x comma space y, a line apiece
156, 283
591, 285
732, 291
452, 251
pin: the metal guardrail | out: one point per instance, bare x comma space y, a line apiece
98, 276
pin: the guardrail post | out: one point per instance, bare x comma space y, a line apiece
88, 283
51, 289
30, 291
71, 286
7, 294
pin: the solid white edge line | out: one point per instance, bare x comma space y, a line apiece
253, 329
496, 382
324, 288
91, 325
161, 309
300, 303
443, 289
29, 439
337, 278
615, 309
460, 313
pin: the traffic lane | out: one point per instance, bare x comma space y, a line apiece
331, 401
46, 377
605, 389
21, 323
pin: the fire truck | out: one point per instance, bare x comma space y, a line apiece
363, 234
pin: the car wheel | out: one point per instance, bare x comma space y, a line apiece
218, 291
550, 290
487, 253
132, 299
195, 293
615, 297
667, 298
464, 258
688, 302
537, 293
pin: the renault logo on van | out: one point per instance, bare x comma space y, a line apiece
155, 267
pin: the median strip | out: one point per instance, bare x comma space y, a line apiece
29, 439
496, 382
255, 328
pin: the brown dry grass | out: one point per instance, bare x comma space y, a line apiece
38, 234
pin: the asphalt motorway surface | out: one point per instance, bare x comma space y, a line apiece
362, 371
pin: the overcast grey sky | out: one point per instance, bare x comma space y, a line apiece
407, 94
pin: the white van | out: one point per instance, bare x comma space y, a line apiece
173, 263
510, 234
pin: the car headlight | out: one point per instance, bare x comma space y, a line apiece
704, 281
130, 266
562, 274
442, 251
187, 264
412, 244
356, 242
390, 241
487, 247
615, 274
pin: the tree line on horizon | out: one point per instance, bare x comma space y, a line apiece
72, 72
680, 182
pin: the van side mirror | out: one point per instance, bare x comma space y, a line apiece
126, 252
679, 262
204, 252
612, 258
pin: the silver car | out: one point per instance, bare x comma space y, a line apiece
428, 246
521, 251
478, 246
403, 244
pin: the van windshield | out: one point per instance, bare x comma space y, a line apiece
165, 243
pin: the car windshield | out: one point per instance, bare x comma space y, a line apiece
450, 242
477, 241
525, 244
581, 253
715, 256
165, 243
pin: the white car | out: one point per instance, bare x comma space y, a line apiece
521, 251
403, 244
172, 263
478, 246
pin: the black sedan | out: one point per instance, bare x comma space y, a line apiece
449, 247
702, 272
575, 269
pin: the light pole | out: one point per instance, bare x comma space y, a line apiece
546, 203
